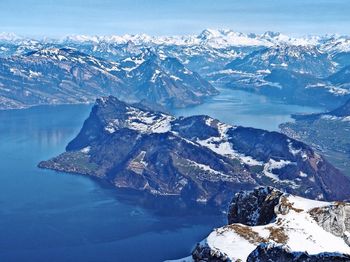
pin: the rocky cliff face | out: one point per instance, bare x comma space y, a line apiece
268, 225
196, 158
280, 253
259, 207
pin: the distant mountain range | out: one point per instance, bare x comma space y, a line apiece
302, 59
65, 75
198, 158
301, 70
214, 38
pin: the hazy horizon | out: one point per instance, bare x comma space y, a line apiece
39, 18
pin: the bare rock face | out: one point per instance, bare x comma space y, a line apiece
256, 208
268, 225
269, 253
334, 219
205, 253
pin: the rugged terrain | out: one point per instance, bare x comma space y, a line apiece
304, 70
268, 225
327, 132
65, 76
196, 158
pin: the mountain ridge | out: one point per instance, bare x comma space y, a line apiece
197, 158
213, 37
66, 75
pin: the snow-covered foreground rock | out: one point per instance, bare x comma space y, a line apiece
268, 225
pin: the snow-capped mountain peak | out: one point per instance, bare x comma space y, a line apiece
215, 38
9, 37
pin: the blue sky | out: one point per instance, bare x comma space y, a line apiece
56, 18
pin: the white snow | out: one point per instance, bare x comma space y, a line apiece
336, 90
175, 78
137, 61
185, 259
86, 150
292, 150
230, 243
34, 74
222, 146
302, 231
336, 118
207, 169
302, 174
306, 204
110, 129
142, 121
274, 164
155, 75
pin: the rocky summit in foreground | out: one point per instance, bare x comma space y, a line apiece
268, 225
196, 158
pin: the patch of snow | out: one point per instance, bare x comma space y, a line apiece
208, 169
306, 204
302, 174
336, 90
292, 150
266, 71
155, 75
230, 243
222, 146
144, 122
273, 164
34, 74
175, 78
86, 150
185, 259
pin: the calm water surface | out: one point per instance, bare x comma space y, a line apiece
247, 109
50, 216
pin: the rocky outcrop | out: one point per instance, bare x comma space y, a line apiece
198, 158
259, 207
279, 227
334, 219
271, 252
205, 253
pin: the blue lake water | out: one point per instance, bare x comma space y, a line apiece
247, 109
49, 216
56, 217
